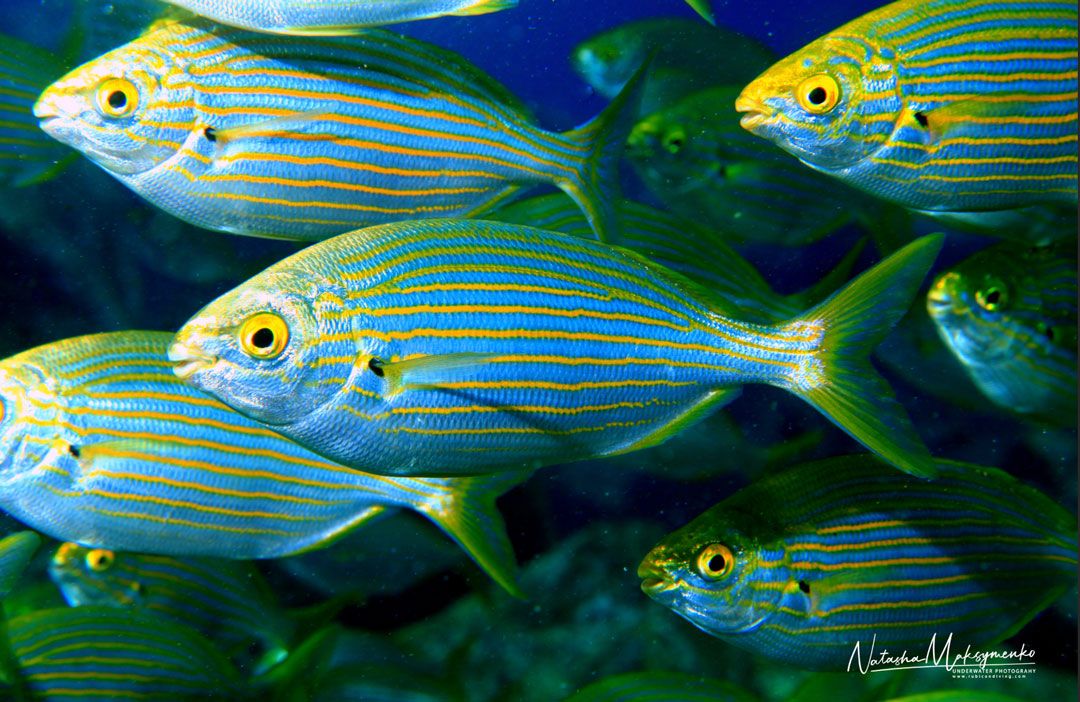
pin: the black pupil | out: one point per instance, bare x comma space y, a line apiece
717, 563
993, 297
817, 96
117, 100
263, 338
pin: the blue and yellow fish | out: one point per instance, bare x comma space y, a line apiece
309, 137
16, 550
102, 445
467, 347
804, 565
227, 601
940, 105
1008, 314
104, 653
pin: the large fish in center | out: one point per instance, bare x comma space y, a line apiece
305, 138
466, 347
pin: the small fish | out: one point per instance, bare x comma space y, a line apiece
650, 686
697, 160
102, 445
16, 550
684, 246
1008, 314
307, 138
227, 601
27, 155
686, 56
104, 653
801, 566
940, 105
446, 347
331, 17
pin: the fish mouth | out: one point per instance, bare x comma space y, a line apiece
188, 361
654, 581
938, 299
756, 112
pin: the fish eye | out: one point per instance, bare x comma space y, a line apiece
991, 298
818, 94
99, 560
264, 335
673, 140
117, 97
715, 561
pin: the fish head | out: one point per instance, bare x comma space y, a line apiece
816, 103
257, 349
971, 307
128, 111
607, 61
30, 406
94, 576
707, 572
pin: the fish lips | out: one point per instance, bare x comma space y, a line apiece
187, 361
756, 113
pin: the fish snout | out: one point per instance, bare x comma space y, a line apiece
755, 111
188, 360
941, 298
655, 580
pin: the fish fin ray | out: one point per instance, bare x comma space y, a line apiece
704, 9
409, 374
850, 392
483, 7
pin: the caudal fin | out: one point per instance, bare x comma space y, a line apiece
467, 513
854, 320
595, 187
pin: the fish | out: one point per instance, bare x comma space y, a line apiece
696, 159
331, 17
227, 601
306, 138
647, 686
813, 566
684, 56
101, 444
443, 347
16, 550
1008, 314
685, 246
27, 155
937, 105
108, 653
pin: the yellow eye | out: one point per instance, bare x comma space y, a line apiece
818, 94
715, 561
264, 336
99, 560
990, 298
117, 97
674, 140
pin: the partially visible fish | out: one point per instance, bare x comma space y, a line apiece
102, 445
1008, 314
941, 105
445, 347
227, 601
801, 566
306, 138
331, 17
16, 550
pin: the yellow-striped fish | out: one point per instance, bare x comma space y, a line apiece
304, 138
445, 347
941, 105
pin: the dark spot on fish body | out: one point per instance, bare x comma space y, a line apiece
922, 119
804, 587
376, 367
211, 134
74, 450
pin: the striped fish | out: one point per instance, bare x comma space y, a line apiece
304, 138
467, 347
16, 550
102, 445
803, 565
685, 247
226, 601
693, 156
331, 17
652, 686
941, 105
27, 155
1008, 314
104, 653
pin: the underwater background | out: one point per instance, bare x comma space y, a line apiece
80, 254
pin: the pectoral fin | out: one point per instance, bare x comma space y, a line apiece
427, 372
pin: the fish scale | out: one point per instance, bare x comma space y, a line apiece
866, 552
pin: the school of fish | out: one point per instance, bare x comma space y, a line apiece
236, 506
